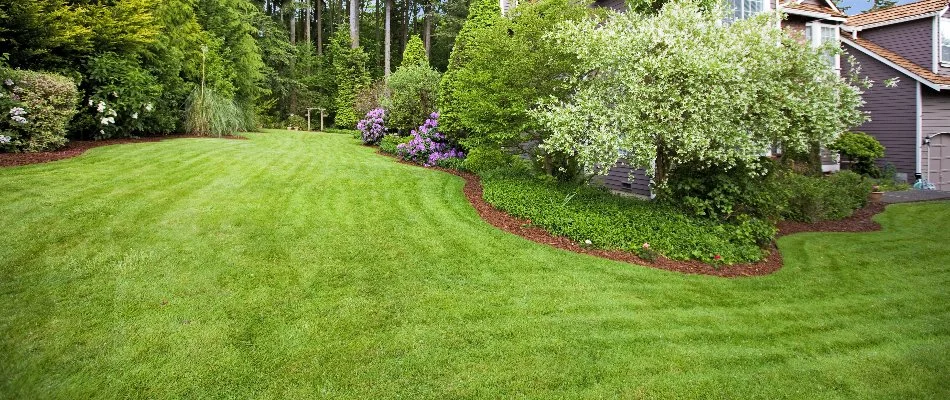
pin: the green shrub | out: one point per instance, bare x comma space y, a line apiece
502, 67
389, 143
614, 222
127, 93
727, 193
209, 114
413, 92
415, 53
349, 68
485, 160
295, 121
37, 108
455, 163
825, 198
862, 150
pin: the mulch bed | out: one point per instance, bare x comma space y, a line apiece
859, 222
75, 148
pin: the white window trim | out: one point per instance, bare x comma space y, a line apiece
943, 22
766, 7
815, 28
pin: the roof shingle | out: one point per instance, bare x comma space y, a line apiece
813, 8
901, 61
897, 12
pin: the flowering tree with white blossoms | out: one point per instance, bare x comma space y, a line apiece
683, 88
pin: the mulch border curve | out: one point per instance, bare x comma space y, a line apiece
860, 221
78, 147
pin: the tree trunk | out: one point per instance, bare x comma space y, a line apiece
377, 61
427, 28
387, 47
405, 26
354, 23
320, 27
306, 25
293, 25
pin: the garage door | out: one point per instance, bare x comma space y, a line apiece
939, 161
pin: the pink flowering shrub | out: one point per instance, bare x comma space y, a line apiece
428, 146
372, 128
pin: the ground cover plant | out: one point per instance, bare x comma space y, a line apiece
151, 270
604, 220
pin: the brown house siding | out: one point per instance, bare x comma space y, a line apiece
619, 179
616, 5
796, 24
912, 40
936, 111
892, 111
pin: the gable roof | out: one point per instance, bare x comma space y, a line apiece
894, 60
828, 8
922, 8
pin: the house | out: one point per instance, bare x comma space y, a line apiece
818, 21
912, 119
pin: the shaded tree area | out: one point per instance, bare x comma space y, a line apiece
270, 58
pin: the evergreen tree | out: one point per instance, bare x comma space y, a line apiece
349, 69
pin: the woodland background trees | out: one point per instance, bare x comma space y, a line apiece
272, 58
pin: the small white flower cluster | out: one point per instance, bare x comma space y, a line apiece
8, 82
5, 139
17, 115
109, 114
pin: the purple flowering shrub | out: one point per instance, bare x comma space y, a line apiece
428, 146
372, 127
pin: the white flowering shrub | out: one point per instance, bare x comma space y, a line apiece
122, 99
36, 109
681, 88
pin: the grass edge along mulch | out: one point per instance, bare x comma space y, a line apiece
860, 221
78, 147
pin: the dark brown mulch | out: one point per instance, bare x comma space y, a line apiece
75, 148
859, 222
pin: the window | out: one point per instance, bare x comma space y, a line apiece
819, 35
945, 40
747, 8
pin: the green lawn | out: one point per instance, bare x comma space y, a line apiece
298, 265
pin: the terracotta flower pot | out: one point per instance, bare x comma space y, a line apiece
875, 197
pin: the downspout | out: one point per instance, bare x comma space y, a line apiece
920, 131
936, 47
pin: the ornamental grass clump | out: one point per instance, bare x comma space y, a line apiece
428, 146
372, 128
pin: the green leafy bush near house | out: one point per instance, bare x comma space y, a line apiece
814, 199
37, 109
501, 68
862, 150
614, 222
728, 192
486, 160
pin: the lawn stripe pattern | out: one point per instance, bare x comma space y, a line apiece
297, 265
